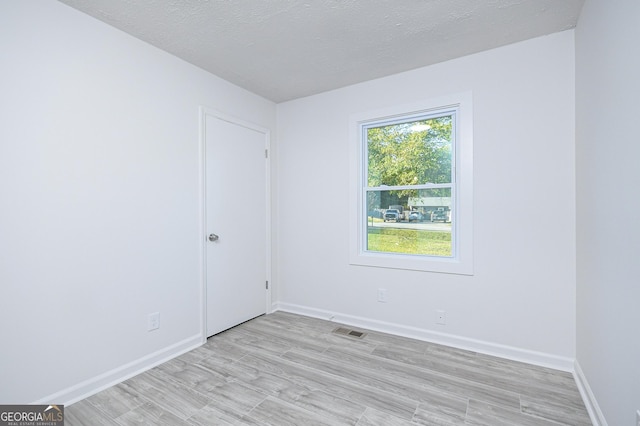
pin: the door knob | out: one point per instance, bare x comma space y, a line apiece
213, 237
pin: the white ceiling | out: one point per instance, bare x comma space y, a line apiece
287, 49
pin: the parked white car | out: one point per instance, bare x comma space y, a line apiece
415, 216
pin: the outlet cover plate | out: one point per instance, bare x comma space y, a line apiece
153, 321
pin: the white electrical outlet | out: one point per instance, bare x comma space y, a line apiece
153, 321
382, 295
441, 317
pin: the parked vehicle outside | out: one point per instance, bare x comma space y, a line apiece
415, 216
392, 215
441, 215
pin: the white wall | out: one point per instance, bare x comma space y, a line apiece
99, 185
608, 207
521, 300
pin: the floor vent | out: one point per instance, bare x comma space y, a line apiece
348, 332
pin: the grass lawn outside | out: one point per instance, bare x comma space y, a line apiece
409, 241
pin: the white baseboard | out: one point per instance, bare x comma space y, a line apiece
597, 418
96, 384
489, 348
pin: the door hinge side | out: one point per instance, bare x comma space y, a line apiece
267, 285
266, 153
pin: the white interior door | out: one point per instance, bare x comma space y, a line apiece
236, 188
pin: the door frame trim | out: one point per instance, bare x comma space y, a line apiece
205, 112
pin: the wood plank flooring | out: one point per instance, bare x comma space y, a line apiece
284, 369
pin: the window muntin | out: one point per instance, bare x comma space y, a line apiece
409, 166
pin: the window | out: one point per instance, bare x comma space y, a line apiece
411, 187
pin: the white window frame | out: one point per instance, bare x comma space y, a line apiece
461, 261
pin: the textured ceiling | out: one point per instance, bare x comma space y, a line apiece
287, 49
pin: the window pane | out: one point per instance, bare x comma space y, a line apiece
410, 222
410, 153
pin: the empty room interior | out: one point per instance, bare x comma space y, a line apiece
164, 162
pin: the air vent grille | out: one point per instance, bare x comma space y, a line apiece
343, 331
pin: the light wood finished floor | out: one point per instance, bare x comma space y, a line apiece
284, 369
